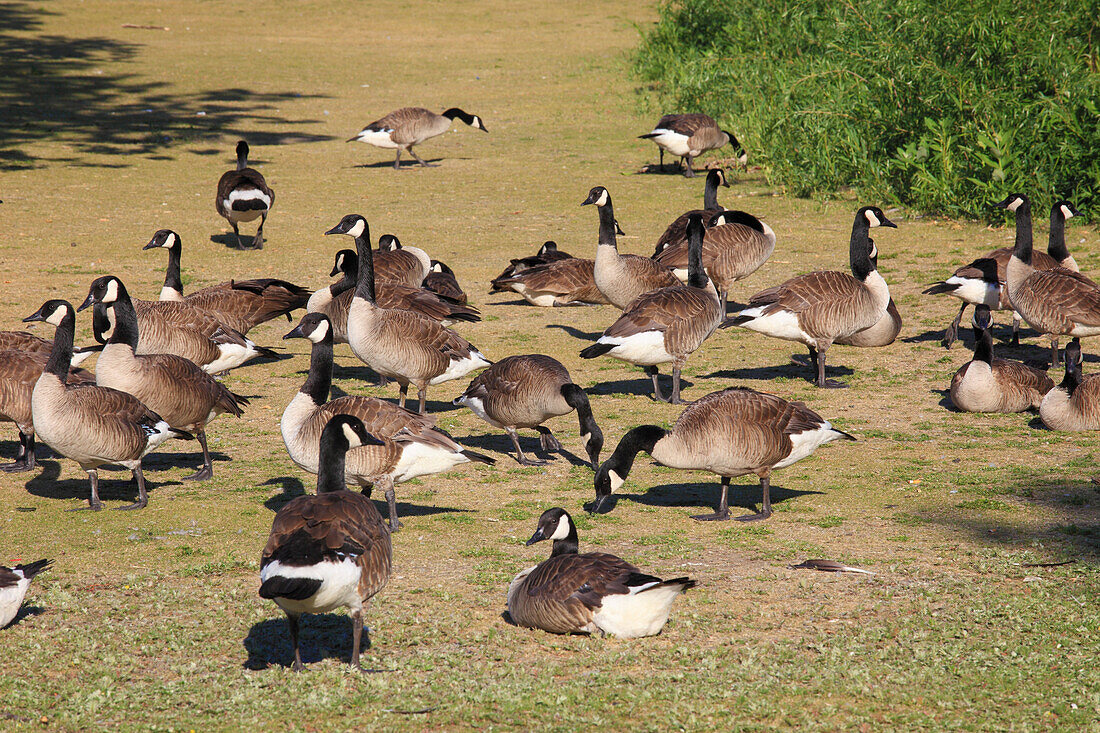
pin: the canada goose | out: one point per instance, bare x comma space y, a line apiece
547, 253
820, 307
665, 325
622, 278
526, 391
409, 126
411, 444
330, 549
239, 304
735, 245
883, 333
399, 263
175, 388
995, 385
565, 282
19, 371
731, 433
90, 424
243, 195
14, 583
982, 281
31, 344
441, 280
401, 345
1075, 403
571, 593
677, 230
1055, 302
689, 136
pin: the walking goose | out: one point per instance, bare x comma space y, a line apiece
401, 345
411, 444
397, 263
441, 280
736, 244
570, 281
733, 432
90, 424
409, 126
982, 281
243, 195
526, 391
239, 304
1075, 403
622, 278
995, 385
31, 344
677, 230
1055, 302
330, 549
665, 325
175, 388
547, 253
820, 307
571, 593
689, 136
14, 583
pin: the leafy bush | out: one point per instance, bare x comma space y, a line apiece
942, 105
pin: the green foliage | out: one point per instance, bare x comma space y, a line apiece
943, 106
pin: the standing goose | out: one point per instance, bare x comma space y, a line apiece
733, 432
441, 280
1054, 302
677, 231
982, 281
665, 325
819, 308
175, 388
547, 253
995, 385
330, 549
398, 263
401, 345
526, 391
689, 136
409, 126
622, 278
571, 593
90, 424
569, 281
243, 195
736, 245
239, 304
1075, 403
14, 583
411, 444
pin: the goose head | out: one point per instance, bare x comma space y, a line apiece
1068, 210
353, 225
1012, 202
52, 312
165, 238
388, 243
348, 431
875, 218
598, 196
313, 326
554, 524
106, 290
346, 262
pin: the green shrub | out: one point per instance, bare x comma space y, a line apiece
945, 106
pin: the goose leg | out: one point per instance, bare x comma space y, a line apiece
258, 240
725, 300
401, 398
765, 505
207, 470
723, 511
1016, 328
397, 161
821, 380
675, 398
520, 458
420, 160
951, 335
25, 460
1054, 356
237, 234
94, 504
292, 622
547, 439
391, 500
662, 152
143, 495
422, 393
689, 172
356, 638
654, 373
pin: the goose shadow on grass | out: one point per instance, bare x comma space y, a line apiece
705, 495
791, 370
322, 636
500, 445
293, 487
576, 332
409, 163
641, 387
115, 484
25, 611
246, 244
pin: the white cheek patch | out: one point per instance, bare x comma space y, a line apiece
357, 230
112, 292
616, 481
602, 200
54, 318
477, 122
874, 250
1016, 203
170, 240
353, 439
340, 262
317, 335
563, 528
1066, 212
436, 268
585, 437
872, 219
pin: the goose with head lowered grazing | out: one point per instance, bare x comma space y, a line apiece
409, 126
689, 136
401, 345
331, 549
733, 432
1075, 403
676, 232
593, 592
243, 195
821, 308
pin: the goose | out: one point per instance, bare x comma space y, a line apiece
399, 263
524, 391
441, 280
546, 254
820, 307
573, 593
409, 126
90, 424
19, 370
982, 281
14, 583
883, 333
736, 245
732, 432
401, 345
411, 444
30, 344
570, 281
175, 388
690, 135
622, 278
995, 385
330, 549
1075, 403
1054, 302
677, 230
243, 195
665, 325
239, 304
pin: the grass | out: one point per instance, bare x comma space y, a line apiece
151, 621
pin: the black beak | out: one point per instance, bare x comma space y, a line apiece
151, 245
87, 302
38, 315
618, 229
538, 536
335, 269
1003, 204
887, 223
295, 333
597, 507
335, 230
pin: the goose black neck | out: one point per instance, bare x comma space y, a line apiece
1056, 244
61, 356
578, 400
641, 438
344, 284
607, 224
319, 380
242, 157
172, 279
697, 276
1023, 247
331, 459
568, 546
1072, 380
364, 287
710, 192
126, 323
983, 345
859, 248
454, 112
